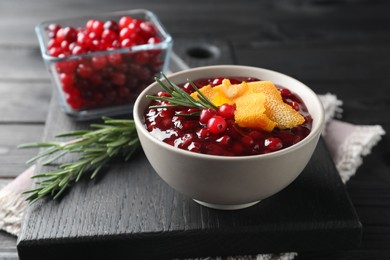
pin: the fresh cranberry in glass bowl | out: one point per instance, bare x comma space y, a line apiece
99, 65
233, 179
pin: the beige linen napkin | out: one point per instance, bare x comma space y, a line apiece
346, 142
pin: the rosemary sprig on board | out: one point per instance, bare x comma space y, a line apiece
96, 148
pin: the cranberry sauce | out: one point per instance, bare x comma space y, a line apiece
221, 137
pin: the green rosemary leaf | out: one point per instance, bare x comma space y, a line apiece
47, 189
178, 97
117, 121
65, 181
111, 151
44, 154
73, 133
59, 193
188, 114
95, 150
167, 89
54, 158
30, 191
99, 126
202, 96
96, 171
98, 159
118, 142
80, 173
39, 145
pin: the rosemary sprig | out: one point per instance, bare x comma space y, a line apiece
115, 137
179, 97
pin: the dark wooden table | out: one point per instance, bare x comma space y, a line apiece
341, 47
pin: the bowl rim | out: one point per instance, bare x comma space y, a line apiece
314, 133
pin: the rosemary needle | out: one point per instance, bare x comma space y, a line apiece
179, 97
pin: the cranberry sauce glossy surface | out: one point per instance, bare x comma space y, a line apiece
202, 135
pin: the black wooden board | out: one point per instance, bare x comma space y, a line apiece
130, 212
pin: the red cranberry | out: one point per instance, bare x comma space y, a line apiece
66, 66
53, 29
97, 46
111, 25
295, 105
285, 92
226, 111
115, 44
98, 62
134, 26
127, 43
273, 144
185, 141
190, 125
89, 25
194, 147
114, 58
125, 33
154, 40
132, 82
163, 94
147, 30
237, 148
67, 80
118, 78
142, 57
206, 114
55, 51
108, 36
85, 71
75, 101
93, 36
67, 34
188, 88
145, 74
123, 92
216, 82
96, 79
97, 27
167, 113
84, 40
203, 133
52, 43
247, 140
65, 45
224, 140
77, 50
124, 22
254, 134
216, 125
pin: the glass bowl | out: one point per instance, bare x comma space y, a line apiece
97, 74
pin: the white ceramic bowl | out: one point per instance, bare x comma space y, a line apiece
230, 182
